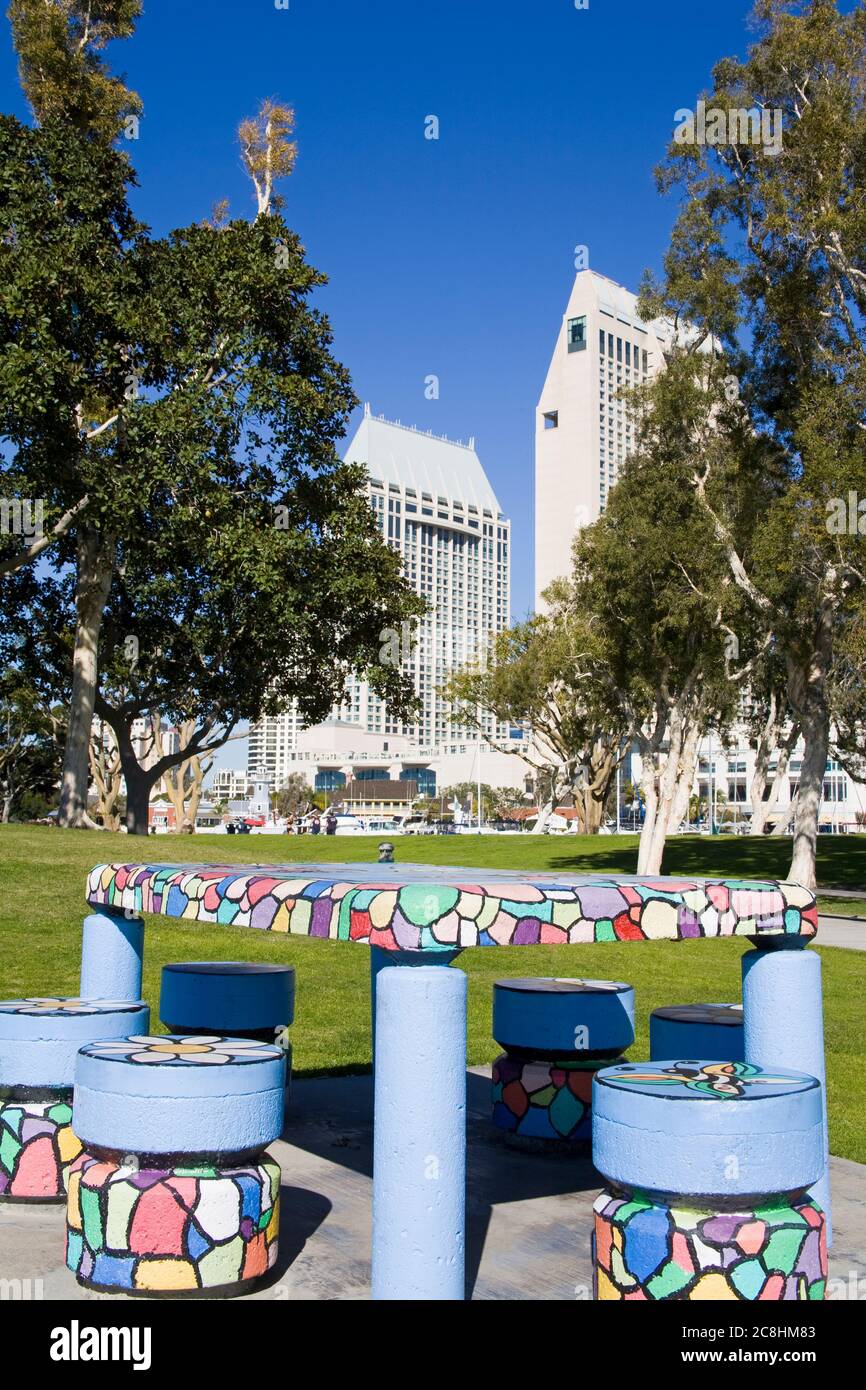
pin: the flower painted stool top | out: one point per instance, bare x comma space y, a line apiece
180, 1095
40, 1037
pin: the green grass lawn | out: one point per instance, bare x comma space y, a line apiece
42, 878
841, 907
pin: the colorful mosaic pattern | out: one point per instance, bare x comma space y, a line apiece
175, 1230
37, 1146
722, 1080
170, 1049
544, 1100
644, 1251
430, 916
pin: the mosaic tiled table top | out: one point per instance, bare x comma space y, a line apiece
413, 907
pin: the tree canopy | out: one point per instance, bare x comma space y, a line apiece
175, 406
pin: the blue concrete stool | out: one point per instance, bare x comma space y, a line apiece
174, 1193
707, 1166
39, 1040
241, 998
556, 1035
698, 1030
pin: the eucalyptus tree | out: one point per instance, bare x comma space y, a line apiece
651, 579
769, 249
547, 675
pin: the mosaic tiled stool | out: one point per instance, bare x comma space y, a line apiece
240, 998
556, 1035
707, 1165
39, 1040
174, 1193
698, 1030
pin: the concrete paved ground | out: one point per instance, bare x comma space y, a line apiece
842, 931
529, 1216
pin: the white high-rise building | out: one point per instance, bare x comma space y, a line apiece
230, 784
435, 506
583, 430
272, 743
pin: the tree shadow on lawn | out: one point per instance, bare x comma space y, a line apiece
841, 858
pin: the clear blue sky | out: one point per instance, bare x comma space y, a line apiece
452, 257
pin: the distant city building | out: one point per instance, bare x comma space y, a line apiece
144, 743
272, 742
162, 817
230, 784
436, 508
724, 775
584, 432
375, 773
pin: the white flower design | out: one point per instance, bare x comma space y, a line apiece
166, 1048
38, 1005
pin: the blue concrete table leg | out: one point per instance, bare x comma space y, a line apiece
379, 958
783, 1022
111, 955
419, 1139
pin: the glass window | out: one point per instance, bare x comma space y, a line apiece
619, 349
330, 781
551, 421
610, 345
601, 341
576, 334
645, 359
423, 777
628, 354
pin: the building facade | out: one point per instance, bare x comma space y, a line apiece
343, 759
437, 509
230, 783
584, 430
724, 777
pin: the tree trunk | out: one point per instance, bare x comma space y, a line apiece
816, 737
649, 787
139, 780
183, 783
808, 695
763, 810
665, 780
600, 768
667, 789
106, 773
685, 777
543, 818
770, 740
766, 742
95, 571
139, 784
